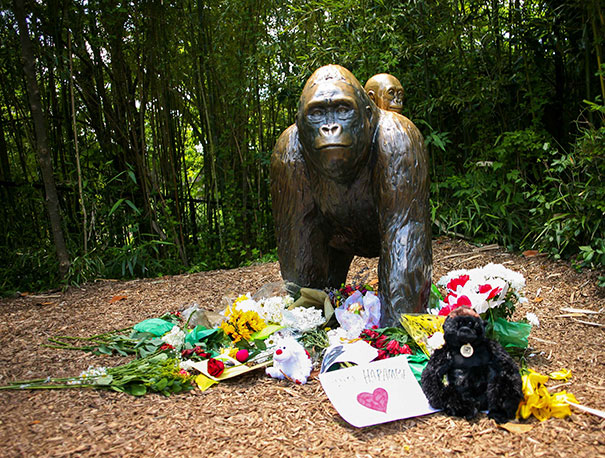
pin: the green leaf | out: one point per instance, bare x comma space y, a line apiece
115, 206
260, 344
133, 206
161, 384
266, 331
136, 389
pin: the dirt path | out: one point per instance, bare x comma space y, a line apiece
254, 415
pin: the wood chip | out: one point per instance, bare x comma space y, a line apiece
253, 415
583, 311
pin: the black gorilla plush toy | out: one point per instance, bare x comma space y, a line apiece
471, 373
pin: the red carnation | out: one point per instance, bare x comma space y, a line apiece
484, 288
393, 347
455, 282
494, 293
215, 367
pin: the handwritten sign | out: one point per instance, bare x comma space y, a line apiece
376, 392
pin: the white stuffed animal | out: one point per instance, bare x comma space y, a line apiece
290, 360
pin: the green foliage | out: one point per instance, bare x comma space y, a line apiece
556, 203
178, 105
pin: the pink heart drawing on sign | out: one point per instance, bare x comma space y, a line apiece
376, 401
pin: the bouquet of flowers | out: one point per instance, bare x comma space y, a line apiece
492, 289
388, 341
358, 312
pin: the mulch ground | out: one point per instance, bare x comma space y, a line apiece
254, 415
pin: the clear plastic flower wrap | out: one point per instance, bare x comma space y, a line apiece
358, 313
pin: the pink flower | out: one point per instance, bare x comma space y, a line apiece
242, 355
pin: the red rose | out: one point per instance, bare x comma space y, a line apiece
200, 352
215, 367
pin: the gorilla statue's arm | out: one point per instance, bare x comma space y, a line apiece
304, 254
401, 186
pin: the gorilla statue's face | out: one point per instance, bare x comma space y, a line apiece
386, 91
335, 129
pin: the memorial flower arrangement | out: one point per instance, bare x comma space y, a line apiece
168, 353
492, 289
359, 311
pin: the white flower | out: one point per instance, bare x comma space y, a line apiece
486, 279
247, 305
435, 342
302, 318
514, 279
174, 337
532, 319
90, 375
271, 309
186, 364
443, 281
337, 336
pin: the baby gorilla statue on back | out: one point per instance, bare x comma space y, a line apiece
351, 179
471, 373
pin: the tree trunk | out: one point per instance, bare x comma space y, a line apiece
43, 153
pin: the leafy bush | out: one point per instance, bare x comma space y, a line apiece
555, 203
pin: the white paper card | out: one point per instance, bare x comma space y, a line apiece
377, 392
358, 352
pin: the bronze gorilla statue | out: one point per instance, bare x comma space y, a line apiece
351, 179
386, 92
